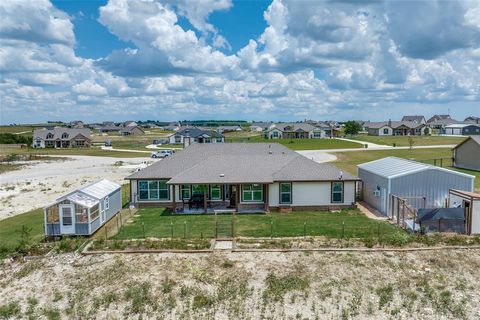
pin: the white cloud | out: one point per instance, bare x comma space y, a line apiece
89, 88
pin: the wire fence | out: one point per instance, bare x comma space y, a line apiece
439, 162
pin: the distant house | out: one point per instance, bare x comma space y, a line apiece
83, 211
131, 131
223, 129
77, 124
462, 129
472, 119
173, 126
108, 124
300, 130
440, 125
59, 137
191, 135
417, 119
108, 128
130, 124
396, 128
466, 154
260, 126
439, 117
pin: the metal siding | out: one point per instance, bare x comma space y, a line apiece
81, 229
115, 202
432, 184
370, 183
94, 225
52, 229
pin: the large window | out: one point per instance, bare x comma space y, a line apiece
198, 189
185, 192
215, 192
153, 190
385, 131
178, 139
275, 134
285, 193
94, 211
52, 214
317, 134
81, 214
337, 192
252, 192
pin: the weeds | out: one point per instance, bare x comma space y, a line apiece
277, 287
139, 295
10, 310
202, 300
385, 295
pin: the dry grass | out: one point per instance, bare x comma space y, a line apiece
427, 285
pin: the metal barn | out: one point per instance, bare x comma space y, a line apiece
84, 210
428, 186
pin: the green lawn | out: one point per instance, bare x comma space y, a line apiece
348, 161
403, 140
161, 223
92, 151
10, 228
299, 144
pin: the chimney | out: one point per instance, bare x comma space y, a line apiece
389, 122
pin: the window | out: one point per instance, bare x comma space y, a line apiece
50, 136
185, 192
275, 134
80, 143
178, 139
49, 143
206, 140
94, 212
106, 203
215, 192
197, 189
252, 192
385, 131
337, 192
65, 135
81, 214
153, 190
52, 214
285, 192
317, 134
219, 139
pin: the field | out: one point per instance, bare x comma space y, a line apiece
348, 161
92, 151
156, 222
402, 141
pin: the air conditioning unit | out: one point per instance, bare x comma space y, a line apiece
376, 193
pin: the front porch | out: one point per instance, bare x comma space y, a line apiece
220, 198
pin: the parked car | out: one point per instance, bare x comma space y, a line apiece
108, 143
161, 153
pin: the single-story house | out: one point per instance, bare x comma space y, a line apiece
437, 117
223, 129
77, 124
417, 119
60, 137
110, 128
84, 210
300, 130
131, 131
470, 202
260, 126
397, 128
241, 177
440, 125
425, 184
472, 119
191, 135
466, 154
462, 129
130, 124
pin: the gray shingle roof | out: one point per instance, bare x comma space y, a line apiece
417, 119
289, 127
239, 163
59, 131
196, 132
393, 124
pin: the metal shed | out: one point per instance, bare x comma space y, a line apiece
84, 210
394, 176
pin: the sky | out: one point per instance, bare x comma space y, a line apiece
281, 60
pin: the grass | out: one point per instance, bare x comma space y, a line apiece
10, 228
6, 167
402, 141
348, 161
158, 222
92, 151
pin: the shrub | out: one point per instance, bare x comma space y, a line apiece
10, 310
202, 300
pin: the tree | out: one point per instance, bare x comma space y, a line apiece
411, 142
352, 127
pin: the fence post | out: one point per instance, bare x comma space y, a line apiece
106, 232
185, 229
304, 229
143, 229
216, 228
171, 228
233, 227
271, 228
343, 229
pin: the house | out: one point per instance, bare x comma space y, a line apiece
191, 135
223, 129
84, 210
470, 203
462, 129
439, 117
299, 130
110, 128
396, 128
130, 124
439, 125
472, 119
77, 124
131, 131
173, 126
416, 119
427, 186
59, 137
466, 154
242, 177
260, 126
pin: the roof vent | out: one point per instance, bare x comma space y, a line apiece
341, 175
222, 175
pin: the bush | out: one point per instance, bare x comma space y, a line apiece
10, 138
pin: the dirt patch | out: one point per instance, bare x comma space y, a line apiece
426, 285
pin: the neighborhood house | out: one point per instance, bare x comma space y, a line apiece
84, 210
396, 128
462, 129
59, 137
241, 177
188, 136
300, 130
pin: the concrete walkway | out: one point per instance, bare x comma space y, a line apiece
123, 150
369, 144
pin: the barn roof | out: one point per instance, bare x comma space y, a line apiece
392, 167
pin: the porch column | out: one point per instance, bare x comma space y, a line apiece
205, 207
174, 202
237, 195
265, 195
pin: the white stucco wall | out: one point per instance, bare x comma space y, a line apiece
312, 194
380, 131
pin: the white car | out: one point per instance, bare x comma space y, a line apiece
162, 153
